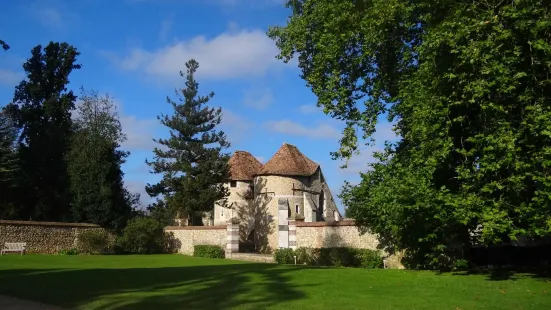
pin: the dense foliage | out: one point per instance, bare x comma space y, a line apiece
191, 161
41, 110
9, 168
142, 235
208, 251
69, 251
95, 241
95, 159
58, 163
467, 84
337, 257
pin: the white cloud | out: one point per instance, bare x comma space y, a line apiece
10, 78
235, 126
359, 163
258, 99
52, 13
321, 131
139, 132
166, 26
309, 109
138, 187
232, 54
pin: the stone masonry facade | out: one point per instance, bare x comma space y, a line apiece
337, 234
43, 237
189, 236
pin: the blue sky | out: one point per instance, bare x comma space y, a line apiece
134, 49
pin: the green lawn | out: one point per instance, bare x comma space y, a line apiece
180, 282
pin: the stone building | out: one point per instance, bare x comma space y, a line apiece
264, 198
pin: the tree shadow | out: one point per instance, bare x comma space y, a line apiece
263, 223
509, 273
192, 287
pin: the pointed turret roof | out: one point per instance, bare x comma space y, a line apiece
288, 160
243, 166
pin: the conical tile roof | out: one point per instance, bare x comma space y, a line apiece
288, 160
243, 166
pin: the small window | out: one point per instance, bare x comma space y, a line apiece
233, 183
222, 212
297, 208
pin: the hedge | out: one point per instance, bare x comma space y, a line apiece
208, 251
337, 257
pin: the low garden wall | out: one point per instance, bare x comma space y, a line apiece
332, 235
43, 237
189, 236
335, 235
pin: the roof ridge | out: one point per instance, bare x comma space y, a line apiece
289, 160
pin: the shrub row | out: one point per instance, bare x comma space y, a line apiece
142, 235
208, 251
338, 257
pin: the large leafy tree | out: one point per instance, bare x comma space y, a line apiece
95, 158
467, 83
192, 160
41, 109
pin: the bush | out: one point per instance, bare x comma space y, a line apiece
307, 256
369, 259
71, 251
94, 241
460, 265
336, 257
208, 251
284, 256
142, 235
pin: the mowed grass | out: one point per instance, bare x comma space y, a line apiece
180, 282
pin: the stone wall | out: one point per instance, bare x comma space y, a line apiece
43, 237
332, 235
189, 236
336, 234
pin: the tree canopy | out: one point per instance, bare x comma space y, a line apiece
467, 84
97, 189
192, 161
41, 110
4, 45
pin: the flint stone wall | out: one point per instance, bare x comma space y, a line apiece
339, 234
43, 237
189, 236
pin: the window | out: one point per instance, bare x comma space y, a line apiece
297, 208
233, 183
222, 211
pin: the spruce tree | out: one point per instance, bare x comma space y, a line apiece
192, 160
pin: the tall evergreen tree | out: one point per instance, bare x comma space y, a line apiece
191, 161
41, 109
94, 163
8, 168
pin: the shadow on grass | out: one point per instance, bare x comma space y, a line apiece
192, 287
503, 274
